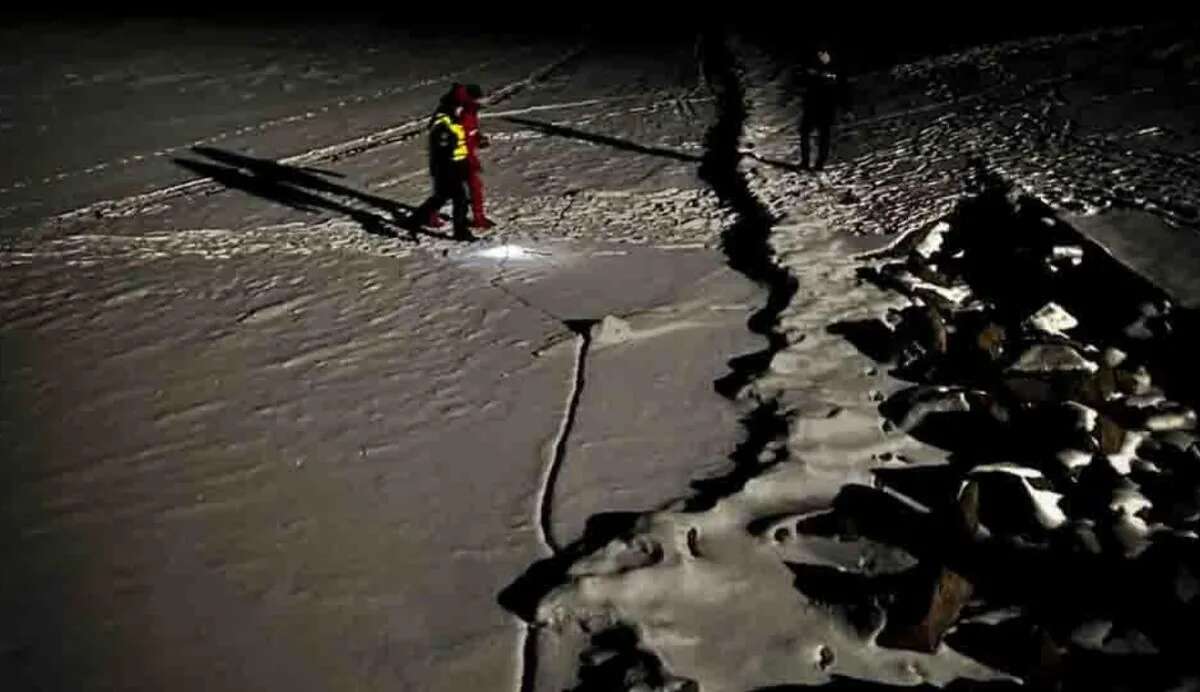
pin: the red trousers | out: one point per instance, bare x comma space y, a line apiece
475, 184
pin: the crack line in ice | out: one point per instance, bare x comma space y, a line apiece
559, 450
495, 283
571, 197
527, 644
746, 246
528, 664
748, 251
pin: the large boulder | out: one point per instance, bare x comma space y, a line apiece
928, 604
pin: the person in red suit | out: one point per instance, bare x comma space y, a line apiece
475, 140
463, 101
469, 96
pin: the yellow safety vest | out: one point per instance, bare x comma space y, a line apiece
460, 136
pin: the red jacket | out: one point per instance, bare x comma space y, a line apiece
469, 119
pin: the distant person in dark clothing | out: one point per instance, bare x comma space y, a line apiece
447, 166
824, 91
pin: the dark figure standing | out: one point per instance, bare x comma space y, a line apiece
447, 167
824, 91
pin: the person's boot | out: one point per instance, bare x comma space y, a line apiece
434, 219
482, 223
823, 150
464, 235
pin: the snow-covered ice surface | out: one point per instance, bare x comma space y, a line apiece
315, 469
253, 439
257, 435
242, 467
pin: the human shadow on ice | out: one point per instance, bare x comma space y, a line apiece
306, 189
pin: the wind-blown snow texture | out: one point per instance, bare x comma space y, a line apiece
259, 433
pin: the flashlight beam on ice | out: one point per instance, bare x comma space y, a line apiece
510, 252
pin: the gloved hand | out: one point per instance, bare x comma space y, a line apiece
484, 142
